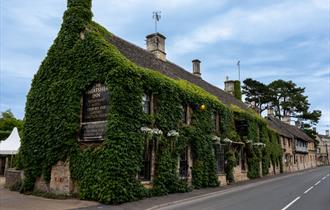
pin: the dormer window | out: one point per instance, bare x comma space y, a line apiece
146, 103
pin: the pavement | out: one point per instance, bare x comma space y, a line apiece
10, 200
305, 190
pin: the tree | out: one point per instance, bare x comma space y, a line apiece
257, 93
7, 123
284, 97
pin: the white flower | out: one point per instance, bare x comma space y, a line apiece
226, 140
259, 144
156, 131
172, 133
216, 138
146, 130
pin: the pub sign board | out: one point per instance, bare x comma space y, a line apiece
95, 108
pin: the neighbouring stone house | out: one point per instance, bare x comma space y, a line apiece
298, 148
115, 122
286, 141
323, 149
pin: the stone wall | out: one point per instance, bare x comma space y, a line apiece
60, 182
222, 179
13, 177
239, 174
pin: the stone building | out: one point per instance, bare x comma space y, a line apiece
298, 148
115, 122
323, 149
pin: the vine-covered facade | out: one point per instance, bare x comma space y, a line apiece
164, 130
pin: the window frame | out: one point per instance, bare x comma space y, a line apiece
145, 174
184, 163
146, 101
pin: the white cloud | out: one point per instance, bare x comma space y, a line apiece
272, 23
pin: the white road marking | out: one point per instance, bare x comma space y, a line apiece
317, 183
292, 202
308, 190
324, 178
328, 174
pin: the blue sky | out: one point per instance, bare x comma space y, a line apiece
274, 39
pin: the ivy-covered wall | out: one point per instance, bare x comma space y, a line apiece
80, 57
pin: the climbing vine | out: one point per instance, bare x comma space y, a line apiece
80, 57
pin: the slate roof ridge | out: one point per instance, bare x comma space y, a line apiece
323, 136
291, 129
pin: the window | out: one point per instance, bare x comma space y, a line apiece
238, 156
145, 173
289, 142
184, 118
215, 121
243, 160
146, 102
183, 167
219, 152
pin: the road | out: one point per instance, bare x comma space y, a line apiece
308, 190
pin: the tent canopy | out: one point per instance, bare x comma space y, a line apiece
10, 146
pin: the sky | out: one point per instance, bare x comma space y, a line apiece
273, 39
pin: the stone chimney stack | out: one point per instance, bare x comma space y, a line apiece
270, 112
298, 124
233, 87
156, 45
197, 67
286, 119
327, 133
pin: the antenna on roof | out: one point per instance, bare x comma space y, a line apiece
239, 70
156, 16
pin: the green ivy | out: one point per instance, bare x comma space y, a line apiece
229, 167
81, 56
237, 90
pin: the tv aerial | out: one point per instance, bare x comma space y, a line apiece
156, 15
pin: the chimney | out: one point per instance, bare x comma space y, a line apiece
156, 45
270, 112
233, 87
196, 67
327, 133
298, 124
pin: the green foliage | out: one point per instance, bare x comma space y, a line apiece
229, 167
256, 92
80, 57
253, 161
284, 97
7, 123
166, 179
237, 90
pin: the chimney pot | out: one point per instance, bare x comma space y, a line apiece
196, 67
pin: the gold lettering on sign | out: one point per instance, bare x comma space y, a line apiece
95, 108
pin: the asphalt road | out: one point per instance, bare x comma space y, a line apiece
308, 190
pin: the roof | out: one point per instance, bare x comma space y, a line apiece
146, 59
287, 129
10, 145
279, 128
323, 136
